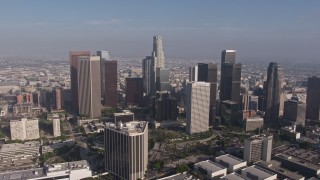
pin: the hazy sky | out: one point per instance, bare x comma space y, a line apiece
261, 30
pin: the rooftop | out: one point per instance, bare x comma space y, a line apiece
67, 166
233, 176
275, 166
230, 159
298, 161
125, 112
24, 174
210, 166
258, 171
129, 128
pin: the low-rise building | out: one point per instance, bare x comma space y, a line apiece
124, 116
210, 169
258, 173
298, 165
275, 167
233, 176
18, 155
75, 170
179, 176
230, 162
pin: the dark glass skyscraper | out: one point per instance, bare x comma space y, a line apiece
73, 55
272, 90
148, 75
104, 56
228, 56
110, 94
134, 91
230, 77
313, 98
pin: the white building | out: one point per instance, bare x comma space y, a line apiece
257, 148
254, 123
24, 129
198, 107
233, 176
126, 149
257, 173
56, 127
231, 162
65, 171
210, 169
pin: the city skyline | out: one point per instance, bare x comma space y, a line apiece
285, 31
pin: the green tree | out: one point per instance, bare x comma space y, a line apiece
182, 168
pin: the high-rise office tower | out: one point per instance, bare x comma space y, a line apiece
126, 149
164, 107
295, 112
134, 91
89, 86
58, 99
272, 90
56, 126
74, 77
204, 72
313, 98
158, 51
104, 56
111, 77
148, 75
198, 107
230, 77
228, 56
257, 148
162, 79
250, 102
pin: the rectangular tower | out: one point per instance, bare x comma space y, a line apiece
111, 78
257, 148
148, 75
272, 91
74, 77
134, 91
104, 56
198, 107
89, 86
126, 149
313, 98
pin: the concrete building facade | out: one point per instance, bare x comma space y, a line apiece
24, 129
198, 107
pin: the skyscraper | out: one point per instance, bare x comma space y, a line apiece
272, 90
257, 148
207, 73
313, 98
295, 112
162, 79
74, 77
111, 78
148, 74
158, 51
198, 107
134, 91
230, 77
104, 56
89, 86
228, 56
126, 149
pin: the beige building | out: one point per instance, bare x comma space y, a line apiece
257, 148
24, 129
126, 149
56, 127
89, 92
198, 107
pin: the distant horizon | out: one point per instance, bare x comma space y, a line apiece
287, 30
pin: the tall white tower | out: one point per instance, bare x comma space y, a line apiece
198, 107
158, 51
